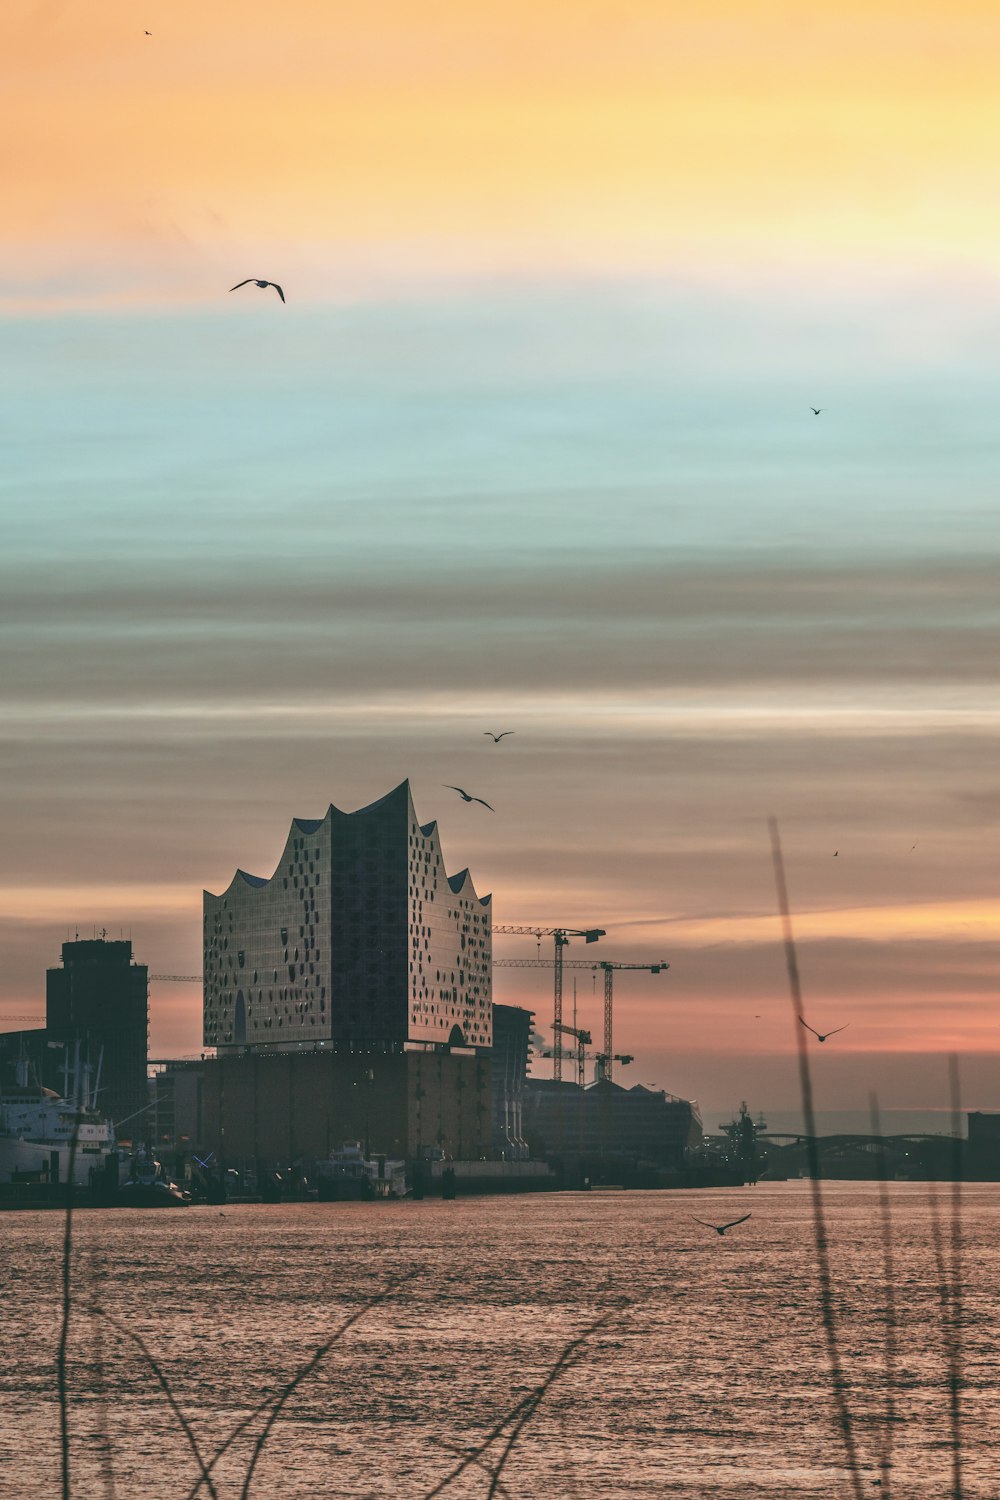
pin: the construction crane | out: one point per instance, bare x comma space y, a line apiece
608, 1057
560, 936
604, 1060
583, 1041
176, 978
27, 1020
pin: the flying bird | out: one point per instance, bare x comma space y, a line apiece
826, 1033
465, 795
496, 738
721, 1228
816, 410
253, 279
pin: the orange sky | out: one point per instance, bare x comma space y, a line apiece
502, 136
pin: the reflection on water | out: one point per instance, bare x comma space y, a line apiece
710, 1382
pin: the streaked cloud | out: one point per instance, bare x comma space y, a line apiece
529, 447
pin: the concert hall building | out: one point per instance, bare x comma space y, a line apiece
360, 942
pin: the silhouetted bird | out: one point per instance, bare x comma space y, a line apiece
149, 33
816, 410
496, 738
835, 853
826, 1033
721, 1228
253, 279
465, 795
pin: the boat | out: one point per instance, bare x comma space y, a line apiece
37, 1131
350, 1174
148, 1186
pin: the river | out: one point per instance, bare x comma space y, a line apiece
709, 1377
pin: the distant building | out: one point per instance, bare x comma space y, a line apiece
100, 997
604, 1120
265, 1109
511, 1051
982, 1147
359, 941
176, 1116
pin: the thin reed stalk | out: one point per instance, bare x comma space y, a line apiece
307, 1369
67, 1309
949, 1284
263, 1405
890, 1346
520, 1414
827, 1312
103, 1435
955, 1359
164, 1383
224, 1448
477, 1458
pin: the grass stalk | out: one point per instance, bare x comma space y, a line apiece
955, 1371
67, 1309
477, 1458
103, 1435
164, 1384
890, 1346
827, 1311
307, 1370
520, 1414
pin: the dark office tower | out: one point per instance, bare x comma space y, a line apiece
359, 940
101, 998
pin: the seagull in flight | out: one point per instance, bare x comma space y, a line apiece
816, 410
721, 1228
253, 279
496, 738
826, 1033
465, 795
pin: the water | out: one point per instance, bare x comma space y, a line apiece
708, 1380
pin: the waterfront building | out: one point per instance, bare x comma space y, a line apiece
348, 996
263, 1108
359, 941
604, 1121
510, 1057
100, 998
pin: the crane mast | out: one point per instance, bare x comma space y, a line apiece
608, 1057
560, 936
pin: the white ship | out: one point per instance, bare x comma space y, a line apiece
348, 1173
37, 1127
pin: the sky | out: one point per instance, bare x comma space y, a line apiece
529, 447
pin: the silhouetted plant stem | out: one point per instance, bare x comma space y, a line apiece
520, 1414
949, 1281
307, 1369
566, 1358
224, 1448
956, 1288
476, 1458
818, 1215
889, 1283
67, 1308
103, 1436
164, 1383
